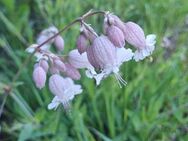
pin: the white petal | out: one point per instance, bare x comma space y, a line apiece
78, 60
150, 40
31, 48
88, 74
123, 55
77, 89
54, 104
70, 93
150, 46
99, 77
138, 55
69, 81
145, 52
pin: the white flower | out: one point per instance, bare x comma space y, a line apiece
140, 54
122, 55
64, 90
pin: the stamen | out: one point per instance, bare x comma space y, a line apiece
120, 80
66, 106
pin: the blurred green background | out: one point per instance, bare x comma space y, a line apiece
152, 107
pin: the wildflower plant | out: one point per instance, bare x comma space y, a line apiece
99, 55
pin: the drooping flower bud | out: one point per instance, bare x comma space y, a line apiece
59, 65
104, 52
72, 72
39, 77
112, 19
91, 58
134, 35
45, 35
89, 32
116, 36
44, 64
59, 43
64, 90
54, 70
78, 60
82, 43
36, 65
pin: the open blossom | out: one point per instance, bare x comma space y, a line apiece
107, 58
39, 77
135, 36
78, 60
64, 90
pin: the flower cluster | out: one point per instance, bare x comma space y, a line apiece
100, 56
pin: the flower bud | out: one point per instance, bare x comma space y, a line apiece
82, 43
89, 32
112, 19
59, 65
44, 65
54, 70
134, 35
72, 72
39, 77
78, 60
116, 36
59, 43
104, 52
36, 65
45, 35
41, 39
31, 48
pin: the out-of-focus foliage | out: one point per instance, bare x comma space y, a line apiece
153, 105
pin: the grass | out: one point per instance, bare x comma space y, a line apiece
153, 105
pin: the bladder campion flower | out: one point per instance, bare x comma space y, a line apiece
108, 59
135, 36
100, 56
64, 90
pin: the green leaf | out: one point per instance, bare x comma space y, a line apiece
26, 132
